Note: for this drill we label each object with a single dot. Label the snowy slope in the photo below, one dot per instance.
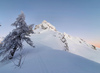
(46, 59)
(75, 45)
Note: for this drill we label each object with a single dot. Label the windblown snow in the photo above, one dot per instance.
(54, 52)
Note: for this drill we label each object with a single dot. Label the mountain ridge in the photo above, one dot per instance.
(69, 43)
(46, 25)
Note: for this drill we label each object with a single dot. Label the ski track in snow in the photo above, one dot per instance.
(42, 65)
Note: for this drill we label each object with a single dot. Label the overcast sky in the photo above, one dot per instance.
(80, 18)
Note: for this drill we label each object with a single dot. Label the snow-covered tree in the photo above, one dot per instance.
(13, 41)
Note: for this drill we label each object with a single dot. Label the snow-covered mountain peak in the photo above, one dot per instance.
(48, 25)
(44, 26)
(44, 21)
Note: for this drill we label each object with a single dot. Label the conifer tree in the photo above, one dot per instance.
(13, 41)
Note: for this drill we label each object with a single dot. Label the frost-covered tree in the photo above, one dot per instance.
(13, 41)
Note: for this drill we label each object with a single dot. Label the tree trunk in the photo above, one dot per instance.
(12, 52)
